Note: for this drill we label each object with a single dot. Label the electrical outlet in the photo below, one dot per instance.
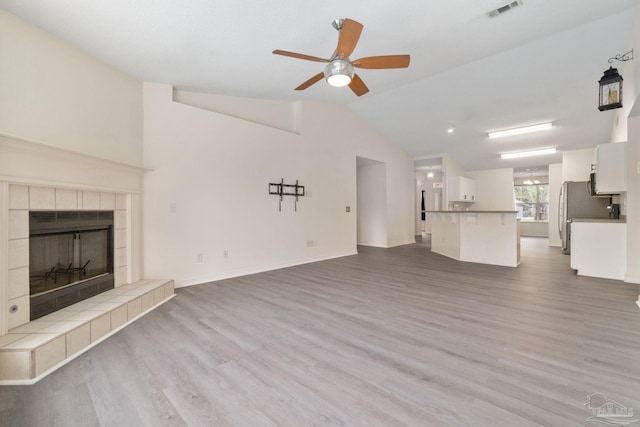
(199, 258)
(225, 254)
(348, 209)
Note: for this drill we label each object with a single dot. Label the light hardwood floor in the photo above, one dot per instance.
(389, 337)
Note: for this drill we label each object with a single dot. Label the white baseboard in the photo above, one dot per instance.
(632, 279)
(231, 274)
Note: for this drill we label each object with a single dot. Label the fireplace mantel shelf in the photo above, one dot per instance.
(33, 350)
(35, 163)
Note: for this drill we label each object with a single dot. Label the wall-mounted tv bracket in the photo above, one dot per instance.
(281, 189)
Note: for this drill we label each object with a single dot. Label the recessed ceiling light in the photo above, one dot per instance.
(520, 130)
(451, 127)
(519, 154)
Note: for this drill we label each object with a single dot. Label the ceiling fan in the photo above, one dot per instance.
(339, 70)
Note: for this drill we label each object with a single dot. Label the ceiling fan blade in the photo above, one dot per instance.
(380, 62)
(357, 86)
(299, 56)
(311, 81)
(349, 35)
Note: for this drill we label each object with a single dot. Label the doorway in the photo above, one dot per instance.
(371, 187)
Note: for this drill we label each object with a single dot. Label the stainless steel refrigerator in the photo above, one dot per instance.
(577, 202)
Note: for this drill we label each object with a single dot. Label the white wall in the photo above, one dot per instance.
(631, 133)
(277, 114)
(494, 189)
(450, 169)
(55, 94)
(372, 204)
(534, 229)
(633, 196)
(400, 182)
(576, 164)
(555, 183)
(216, 169)
(626, 127)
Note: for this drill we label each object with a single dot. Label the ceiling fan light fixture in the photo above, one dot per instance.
(339, 72)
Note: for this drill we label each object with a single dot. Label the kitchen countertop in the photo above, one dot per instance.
(470, 211)
(607, 220)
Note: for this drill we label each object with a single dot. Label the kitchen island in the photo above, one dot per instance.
(486, 237)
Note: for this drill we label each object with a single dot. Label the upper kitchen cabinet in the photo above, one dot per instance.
(610, 168)
(461, 189)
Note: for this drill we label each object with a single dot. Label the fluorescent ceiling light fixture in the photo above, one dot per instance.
(430, 175)
(520, 130)
(519, 154)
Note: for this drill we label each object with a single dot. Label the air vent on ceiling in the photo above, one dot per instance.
(502, 9)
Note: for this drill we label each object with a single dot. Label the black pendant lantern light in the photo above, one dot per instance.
(611, 85)
(610, 90)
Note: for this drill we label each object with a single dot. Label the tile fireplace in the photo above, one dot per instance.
(69, 224)
(70, 258)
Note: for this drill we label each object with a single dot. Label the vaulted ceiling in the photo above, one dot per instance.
(538, 62)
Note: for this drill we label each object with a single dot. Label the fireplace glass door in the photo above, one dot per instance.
(70, 258)
(59, 260)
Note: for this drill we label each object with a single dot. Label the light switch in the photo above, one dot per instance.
(172, 207)
(348, 208)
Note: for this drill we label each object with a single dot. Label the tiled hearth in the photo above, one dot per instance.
(39, 177)
(33, 350)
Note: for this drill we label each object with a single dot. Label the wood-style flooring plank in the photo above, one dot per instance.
(388, 337)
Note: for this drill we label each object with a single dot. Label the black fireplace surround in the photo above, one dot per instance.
(70, 258)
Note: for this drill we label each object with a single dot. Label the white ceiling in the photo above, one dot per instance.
(538, 62)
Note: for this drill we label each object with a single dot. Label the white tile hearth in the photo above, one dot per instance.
(37, 348)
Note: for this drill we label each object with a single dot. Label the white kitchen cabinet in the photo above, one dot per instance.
(610, 168)
(598, 249)
(461, 189)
